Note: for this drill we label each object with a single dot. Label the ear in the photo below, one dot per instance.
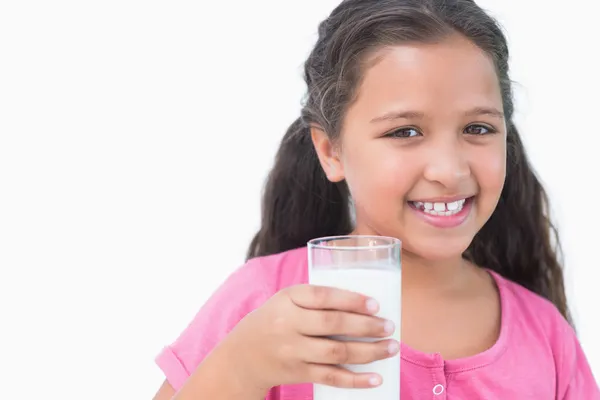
(327, 153)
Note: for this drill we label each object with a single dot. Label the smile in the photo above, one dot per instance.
(443, 209)
(441, 214)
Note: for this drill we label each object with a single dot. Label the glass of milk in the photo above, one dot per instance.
(369, 265)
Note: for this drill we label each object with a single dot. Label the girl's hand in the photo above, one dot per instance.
(286, 341)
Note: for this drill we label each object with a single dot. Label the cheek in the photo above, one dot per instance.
(381, 175)
(489, 168)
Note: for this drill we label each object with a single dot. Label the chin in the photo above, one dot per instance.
(437, 250)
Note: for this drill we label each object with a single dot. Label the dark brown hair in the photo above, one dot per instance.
(299, 202)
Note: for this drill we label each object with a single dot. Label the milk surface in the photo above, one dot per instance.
(383, 283)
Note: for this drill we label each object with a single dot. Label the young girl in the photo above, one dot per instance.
(406, 132)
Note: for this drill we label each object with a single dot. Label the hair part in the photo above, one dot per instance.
(300, 203)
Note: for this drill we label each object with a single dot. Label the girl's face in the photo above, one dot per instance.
(423, 147)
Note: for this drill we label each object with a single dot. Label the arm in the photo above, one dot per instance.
(213, 379)
(217, 379)
(196, 365)
(165, 392)
(581, 383)
(576, 380)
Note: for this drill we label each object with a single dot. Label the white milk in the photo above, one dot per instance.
(383, 283)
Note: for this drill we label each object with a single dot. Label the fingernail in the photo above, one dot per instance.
(374, 381)
(393, 347)
(389, 327)
(372, 305)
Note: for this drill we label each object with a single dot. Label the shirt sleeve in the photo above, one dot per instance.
(242, 292)
(575, 380)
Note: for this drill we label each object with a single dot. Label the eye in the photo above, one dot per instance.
(479, 130)
(404, 133)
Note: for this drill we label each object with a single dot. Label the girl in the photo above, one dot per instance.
(406, 132)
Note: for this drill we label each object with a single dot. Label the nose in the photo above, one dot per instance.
(447, 165)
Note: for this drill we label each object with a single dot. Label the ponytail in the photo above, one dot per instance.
(299, 202)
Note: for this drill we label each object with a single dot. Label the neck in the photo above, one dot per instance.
(433, 276)
(426, 276)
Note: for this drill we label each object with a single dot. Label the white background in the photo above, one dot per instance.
(135, 137)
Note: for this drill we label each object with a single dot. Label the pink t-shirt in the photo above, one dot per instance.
(537, 355)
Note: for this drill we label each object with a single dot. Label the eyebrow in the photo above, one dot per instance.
(477, 111)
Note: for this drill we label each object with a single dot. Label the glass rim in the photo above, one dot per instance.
(316, 243)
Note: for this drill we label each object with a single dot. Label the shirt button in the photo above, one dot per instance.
(438, 389)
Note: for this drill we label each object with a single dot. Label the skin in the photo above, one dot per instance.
(433, 96)
(440, 148)
(285, 342)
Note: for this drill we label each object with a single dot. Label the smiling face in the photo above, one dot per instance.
(423, 146)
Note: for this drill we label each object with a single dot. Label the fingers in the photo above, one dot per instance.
(339, 323)
(342, 378)
(328, 351)
(326, 298)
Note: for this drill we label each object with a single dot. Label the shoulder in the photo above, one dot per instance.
(281, 270)
(257, 280)
(535, 320)
(529, 306)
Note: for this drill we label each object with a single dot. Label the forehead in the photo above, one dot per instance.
(449, 76)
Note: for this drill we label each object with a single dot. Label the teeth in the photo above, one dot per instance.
(439, 207)
(452, 206)
(443, 209)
